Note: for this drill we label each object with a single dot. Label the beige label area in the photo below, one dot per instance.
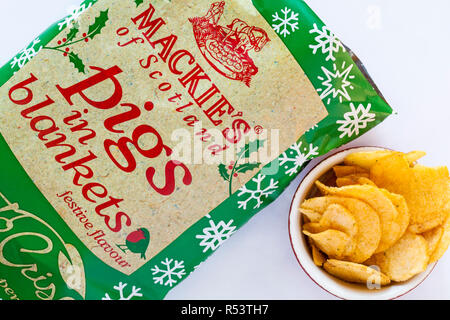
(253, 83)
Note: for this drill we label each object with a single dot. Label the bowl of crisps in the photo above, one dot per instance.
(371, 223)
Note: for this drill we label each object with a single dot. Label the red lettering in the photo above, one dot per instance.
(122, 145)
(204, 134)
(118, 220)
(102, 75)
(150, 59)
(191, 120)
(207, 95)
(167, 44)
(49, 101)
(52, 128)
(192, 78)
(133, 113)
(218, 109)
(215, 148)
(170, 185)
(177, 96)
(152, 26)
(23, 86)
(90, 188)
(83, 127)
(111, 202)
(180, 109)
(239, 127)
(154, 73)
(118, 217)
(81, 164)
(175, 58)
(165, 86)
(59, 142)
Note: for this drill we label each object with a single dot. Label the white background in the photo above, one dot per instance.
(404, 45)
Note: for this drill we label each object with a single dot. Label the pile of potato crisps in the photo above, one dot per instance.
(387, 218)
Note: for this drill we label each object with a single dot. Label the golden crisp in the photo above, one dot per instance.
(336, 217)
(354, 272)
(333, 243)
(403, 216)
(351, 179)
(339, 218)
(318, 257)
(383, 206)
(407, 258)
(318, 205)
(345, 181)
(363, 181)
(444, 241)
(433, 237)
(366, 160)
(342, 171)
(413, 156)
(369, 230)
(311, 215)
(423, 188)
(314, 227)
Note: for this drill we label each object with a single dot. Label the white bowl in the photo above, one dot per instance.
(334, 286)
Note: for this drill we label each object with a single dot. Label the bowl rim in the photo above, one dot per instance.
(425, 274)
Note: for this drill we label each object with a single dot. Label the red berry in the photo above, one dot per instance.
(64, 40)
(235, 175)
(87, 39)
(67, 49)
(59, 42)
(230, 167)
(65, 54)
(149, 106)
(84, 34)
(136, 236)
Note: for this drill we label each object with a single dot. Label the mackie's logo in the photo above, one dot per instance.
(227, 48)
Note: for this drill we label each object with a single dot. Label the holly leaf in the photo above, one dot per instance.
(72, 33)
(99, 23)
(77, 62)
(246, 167)
(138, 2)
(251, 147)
(224, 172)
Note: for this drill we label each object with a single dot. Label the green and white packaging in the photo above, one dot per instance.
(137, 136)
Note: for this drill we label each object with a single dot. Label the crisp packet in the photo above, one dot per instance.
(138, 136)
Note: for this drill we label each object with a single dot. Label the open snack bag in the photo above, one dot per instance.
(137, 136)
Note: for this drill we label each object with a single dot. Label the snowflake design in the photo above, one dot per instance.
(327, 42)
(26, 54)
(356, 119)
(135, 292)
(336, 83)
(298, 158)
(196, 267)
(73, 16)
(166, 275)
(282, 24)
(216, 234)
(314, 127)
(257, 194)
